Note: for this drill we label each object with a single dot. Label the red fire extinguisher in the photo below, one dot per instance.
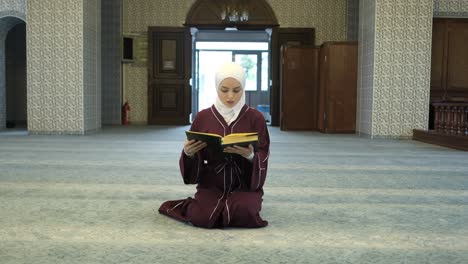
(125, 113)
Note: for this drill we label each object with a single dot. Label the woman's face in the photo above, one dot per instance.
(230, 92)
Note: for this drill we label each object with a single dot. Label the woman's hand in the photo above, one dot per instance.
(193, 146)
(244, 152)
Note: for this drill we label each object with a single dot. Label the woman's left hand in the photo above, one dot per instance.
(244, 152)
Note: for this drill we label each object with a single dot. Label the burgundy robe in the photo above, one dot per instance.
(230, 189)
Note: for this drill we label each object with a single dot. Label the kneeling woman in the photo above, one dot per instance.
(229, 190)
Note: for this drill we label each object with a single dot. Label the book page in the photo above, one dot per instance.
(246, 137)
(241, 134)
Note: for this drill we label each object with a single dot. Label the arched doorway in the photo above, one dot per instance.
(245, 15)
(15, 73)
(251, 49)
(225, 30)
(13, 102)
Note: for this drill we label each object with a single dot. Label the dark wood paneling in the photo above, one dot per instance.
(161, 71)
(449, 62)
(169, 100)
(449, 65)
(437, 65)
(457, 60)
(299, 83)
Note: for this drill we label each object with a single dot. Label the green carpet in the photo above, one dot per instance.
(328, 199)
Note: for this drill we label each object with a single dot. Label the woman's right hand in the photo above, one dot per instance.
(193, 146)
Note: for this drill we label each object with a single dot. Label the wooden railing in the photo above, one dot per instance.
(451, 118)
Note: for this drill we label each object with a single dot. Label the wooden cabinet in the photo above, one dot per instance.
(298, 89)
(318, 87)
(284, 37)
(337, 87)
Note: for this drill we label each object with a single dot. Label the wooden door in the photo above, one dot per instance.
(449, 62)
(280, 37)
(299, 76)
(169, 67)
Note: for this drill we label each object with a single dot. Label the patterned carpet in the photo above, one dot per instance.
(328, 199)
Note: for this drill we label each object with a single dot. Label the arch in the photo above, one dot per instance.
(8, 19)
(7, 23)
(210, 14)
(13, 13)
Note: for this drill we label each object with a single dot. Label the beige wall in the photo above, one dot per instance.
(452, 8)
(55, 66)
(327, 17)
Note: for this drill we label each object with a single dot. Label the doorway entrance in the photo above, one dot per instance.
(250, 49)
(15, 72)
(13, 86)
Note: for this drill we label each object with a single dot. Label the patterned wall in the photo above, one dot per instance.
(111, 61)
(451, 8)
(366, 66)
(402, 60)
(136, 92)
(12, 12)
(327, 17)
(62, 74)
(92, 64)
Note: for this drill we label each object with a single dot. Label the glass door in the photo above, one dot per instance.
(249, 61)
(257, 87)
(253, 56)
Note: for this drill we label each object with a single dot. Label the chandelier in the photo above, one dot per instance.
(235, 11)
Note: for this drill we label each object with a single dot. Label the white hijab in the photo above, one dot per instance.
(235, 71)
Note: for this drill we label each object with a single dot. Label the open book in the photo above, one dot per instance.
(218, 143)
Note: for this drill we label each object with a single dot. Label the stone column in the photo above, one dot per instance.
(111, 20)
(63, 54)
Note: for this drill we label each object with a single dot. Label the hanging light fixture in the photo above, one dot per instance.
(233, 11)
